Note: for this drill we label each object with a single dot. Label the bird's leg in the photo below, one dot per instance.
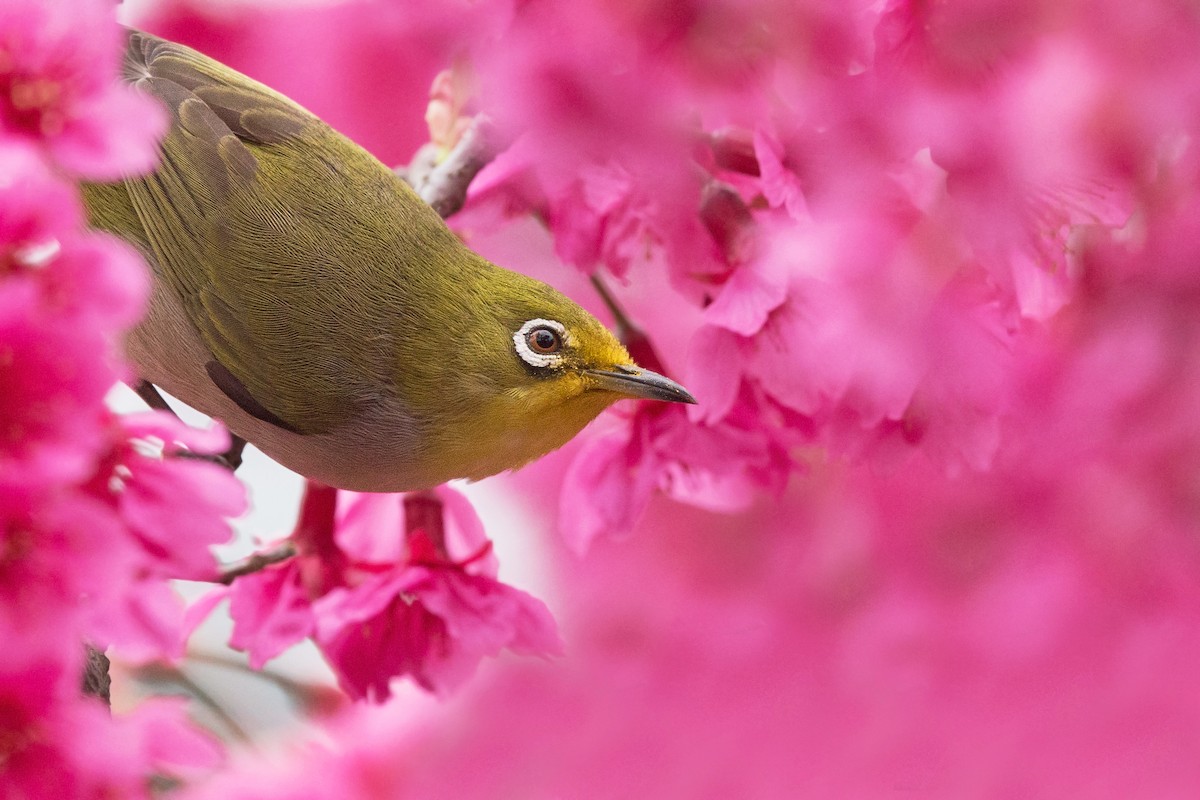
(233, 456)
(152, 397)
(231, 459)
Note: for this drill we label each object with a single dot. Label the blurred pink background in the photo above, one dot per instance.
(933, 530)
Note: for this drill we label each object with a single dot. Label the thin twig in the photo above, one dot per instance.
(633, 337)
(253, 563)
(300, 693)
(165, 673)
(620, 318)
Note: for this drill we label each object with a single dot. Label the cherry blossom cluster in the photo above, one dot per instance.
(876, 224)
(387, 585)
(99, 512)
(96, 511)
(930, 269)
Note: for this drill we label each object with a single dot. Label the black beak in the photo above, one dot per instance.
(634, 381)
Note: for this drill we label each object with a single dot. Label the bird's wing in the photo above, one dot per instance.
(236, 230)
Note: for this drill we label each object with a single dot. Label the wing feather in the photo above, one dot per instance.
(233, 229)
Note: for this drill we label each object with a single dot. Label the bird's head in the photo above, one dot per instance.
(533, 370)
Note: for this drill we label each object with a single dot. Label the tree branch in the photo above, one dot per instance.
(96, 680)
(443, 183)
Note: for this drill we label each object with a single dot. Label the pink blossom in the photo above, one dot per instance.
(722, 467)
(63, 294)
(175, 508)
(597, 220)
(86, 545)
(599, 217)
(171, 511)
(58, 89)
(432, 625)
(59, 547)
(53, 379)
(88, 277)
(570, 96)
(932, 528)
(1027, 159)
(780, 185)
(271, 611)
(383, 598)
(40, 207)
(386, 59)
(862, 351)
(57, 745)
(115, 541)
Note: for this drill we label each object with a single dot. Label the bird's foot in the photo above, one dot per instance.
(231, 459)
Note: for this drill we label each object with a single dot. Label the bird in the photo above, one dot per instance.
(306, 296)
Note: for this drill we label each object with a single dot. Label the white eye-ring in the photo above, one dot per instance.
(539, 342)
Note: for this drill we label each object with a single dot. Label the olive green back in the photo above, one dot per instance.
(299, 257)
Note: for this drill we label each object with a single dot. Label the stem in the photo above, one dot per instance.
(423, 511)
(253, 563)
(634, 338)
(303, 695)
(165, 673)
(620, 318)
(313, 533)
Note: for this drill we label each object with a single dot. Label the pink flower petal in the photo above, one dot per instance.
(270, 612)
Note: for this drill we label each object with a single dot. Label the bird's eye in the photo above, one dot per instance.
(545, 341)
(540, 343)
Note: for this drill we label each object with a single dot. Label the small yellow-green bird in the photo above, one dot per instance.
(305, 295)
